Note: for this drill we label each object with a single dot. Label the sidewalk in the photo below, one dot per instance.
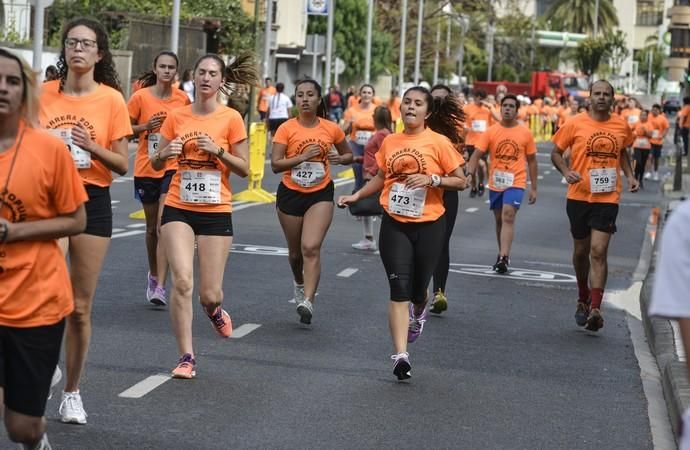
(664, 340)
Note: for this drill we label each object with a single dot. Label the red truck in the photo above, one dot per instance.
(543, 83)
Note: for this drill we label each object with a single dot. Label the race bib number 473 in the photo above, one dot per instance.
(406, 202)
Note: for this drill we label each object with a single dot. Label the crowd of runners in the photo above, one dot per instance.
(55, 202)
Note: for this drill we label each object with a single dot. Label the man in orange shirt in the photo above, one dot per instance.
(683, 121)
(598, 145)
(265, 95)
(657, 141)
(511, 150)
(478, 119)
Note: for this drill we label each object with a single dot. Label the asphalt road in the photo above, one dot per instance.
(504, 367)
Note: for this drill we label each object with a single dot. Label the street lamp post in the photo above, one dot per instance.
(175, 26)
(403, 36)
(418, 50)
(367, 58)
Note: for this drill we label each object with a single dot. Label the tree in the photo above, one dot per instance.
(652, 50)
(577, 16)
(617, 50)
(589, 53)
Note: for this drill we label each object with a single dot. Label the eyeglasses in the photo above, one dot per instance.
(71, 43)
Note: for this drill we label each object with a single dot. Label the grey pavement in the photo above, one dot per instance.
(504, 367)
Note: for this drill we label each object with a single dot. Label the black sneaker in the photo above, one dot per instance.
(498, 258)
(502, 265)
(480, 190)
(401, 366)
(473, 193)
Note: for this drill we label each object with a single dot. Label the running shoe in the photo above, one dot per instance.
(298, 292)
(57, 376)
(185, 367)
(72, 409)
(365, 244)
(480, 189)
(473, 193)
(595, 321)
(151, 286)
(581, 313)
(305, 310)
(498, 258)
(655, 177)
(439, 303)
(416, 326)
(502, 265)
(159, 297)
(43, 444)
(564, 181)
(647, 175)
(401, 366)
(220, 319)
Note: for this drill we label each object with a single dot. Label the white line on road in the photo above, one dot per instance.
(347, 273)
(145, 386)
(128, 233)
(540, 177)
(114, 202)
(136, 225)
(547, 172)
(118, 230)
(471, 210)
(244, 330)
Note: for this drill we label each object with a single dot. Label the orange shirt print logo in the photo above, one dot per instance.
(602, 145)
(406, 161)
(193, 158)
(303, 145)
(507, 150)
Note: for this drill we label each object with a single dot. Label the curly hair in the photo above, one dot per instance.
(150, 78)
(446, 115)
(104, 72)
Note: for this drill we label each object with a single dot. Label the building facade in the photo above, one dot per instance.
(677, 62)
(15, 20)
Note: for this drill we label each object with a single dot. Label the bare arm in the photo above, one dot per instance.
(532, 168)
(344, 153)
(633, 184)
(372, 187)
(559, 163)
(46, 229)
(237, 159)
(114, 158)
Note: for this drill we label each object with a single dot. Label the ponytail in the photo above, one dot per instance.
(242, 70)
(446, 118)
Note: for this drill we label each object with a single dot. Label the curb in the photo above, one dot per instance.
(661, 337)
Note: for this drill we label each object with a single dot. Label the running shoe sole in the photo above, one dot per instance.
(304, 314)
(402, 370)
(183, 376)
(594, 322)
(157, 301)
(438, 306)
(581, 314)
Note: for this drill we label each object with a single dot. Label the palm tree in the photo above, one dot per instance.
(577, 16)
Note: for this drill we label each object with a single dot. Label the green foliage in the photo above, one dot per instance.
(617, 50)
(657, 58)
(10, 34)
(589, 54)
(577, 16)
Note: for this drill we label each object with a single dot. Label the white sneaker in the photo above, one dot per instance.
(298, 292)
(647, 175)
(71, 408)
(655, 177)
(365, 244)
(305, 310)
(43, 444)
(57, 376)
(564, 181)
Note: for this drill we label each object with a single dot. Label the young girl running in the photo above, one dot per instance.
(414, 168)
(148, 108)
(86, 109)
(301, 150)
(209, 141)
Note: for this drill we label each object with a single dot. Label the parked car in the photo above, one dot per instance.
(671, 105)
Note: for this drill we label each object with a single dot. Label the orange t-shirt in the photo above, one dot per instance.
(195, 167)
(103, 113)
(661, 124)
(36, 289)
(684, 116)
(265, 95)
(632, 116)
(394, 108)
(478, 119)
(643, 134)
(297, 138)
(508, 149)
(143, 106)
(362, 120)
(352, 101)
(594, 146)
(403, 154)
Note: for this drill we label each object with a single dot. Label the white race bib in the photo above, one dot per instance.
(406, 202)
(602, 180)
(632, 119)
(641, 143)
(82, 158)
(362, 137)
(502, 180)
(308, 173)
(153, 140)
(655, 134)
(200, 186)
(479, 126)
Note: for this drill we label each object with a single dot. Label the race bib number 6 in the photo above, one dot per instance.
(406, 202)
(602, 180)
(153, 140)
(197, 186)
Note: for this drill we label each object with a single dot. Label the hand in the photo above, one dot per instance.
(206, 144)
(173, 149)
(311, 152)
(334, 158)
(417, 180)
(633, 184)
(5, 229)
(532, 199)
(572, 177)
(82, 139)
(345, 200)
(154, 123)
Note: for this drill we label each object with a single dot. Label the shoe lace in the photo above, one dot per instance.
(186, 361)
(416, 324)
(71, 402)
(217, 319)
(402, 355)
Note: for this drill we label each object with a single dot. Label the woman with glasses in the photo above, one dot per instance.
(41, 199)
(85, 108)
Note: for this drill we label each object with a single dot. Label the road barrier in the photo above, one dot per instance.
(257, 164)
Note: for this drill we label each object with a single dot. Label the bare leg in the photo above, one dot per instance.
(317, 220)
(399, 321)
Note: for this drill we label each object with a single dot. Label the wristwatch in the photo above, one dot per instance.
(435, 180)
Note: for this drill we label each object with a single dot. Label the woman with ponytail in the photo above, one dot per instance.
(208, 141)
(415, 167)
(148, 108)
(302, 151)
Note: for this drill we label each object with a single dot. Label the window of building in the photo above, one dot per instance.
(650, 13)
(680, 42)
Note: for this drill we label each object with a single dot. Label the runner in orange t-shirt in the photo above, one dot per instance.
(478, 119)
(598, 142)
(657, 140)
(512, 152)
(415, 166)
(304, 203)
(644, 130)
(148, 108)
(393, 106)
(86, 109)
(41, 199)
(265, 95)
(209, 141)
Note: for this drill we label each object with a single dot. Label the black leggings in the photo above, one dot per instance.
(409, 252)
(641, 156)
(450, 202)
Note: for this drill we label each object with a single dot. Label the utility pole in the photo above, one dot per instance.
(649, 72)
(267, 39)
(437, 53)
(403, 36)
(596, 17)
(418, 50)
(367, 57)
(490, 38)
(329, 47)
(39, 17)
(175, 27)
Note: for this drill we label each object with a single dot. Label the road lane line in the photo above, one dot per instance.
(347, 273)
(127, 233)
(145, 386)
(471, 210)
(547, 172)
(244, 330)
(118, 230)
(136, 225)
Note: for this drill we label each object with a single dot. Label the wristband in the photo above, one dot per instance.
(4, 232)
(435, 180)
(220, 152)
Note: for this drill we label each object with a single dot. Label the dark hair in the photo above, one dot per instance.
(656, 105)
(510, 97)
(104, 72)
(321, 110)
(51, 73)
(373, 91)
(686, 100)
(241, 71)
(382, 118)
(441, 86)
(149, 78)
(479, 93)
(613, 91)
(280, 87)
(446, 114)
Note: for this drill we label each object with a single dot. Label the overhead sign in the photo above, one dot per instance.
(317, 7)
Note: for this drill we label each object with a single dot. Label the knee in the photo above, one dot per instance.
(598, 253)
(508, 217)
(152, 230)
(295, 257)
(211, 297)
(581, 251)
(311, 251)
(26, 431)
(81, 316)
(183, 285)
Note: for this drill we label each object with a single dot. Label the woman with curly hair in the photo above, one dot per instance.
(85, 108)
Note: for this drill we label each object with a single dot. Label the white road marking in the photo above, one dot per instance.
(118, 230)
(471, 210)
(127, 233)
(136, 225)
(244, 330)
(145, 386)
(547, 172)
(678, 340)
(347, 273)
(540, 177)
(114, 202)
(487, 202)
